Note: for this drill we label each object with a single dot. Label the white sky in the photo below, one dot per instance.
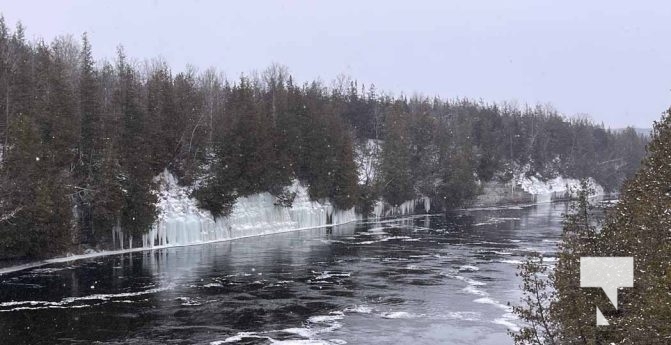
(609, 59)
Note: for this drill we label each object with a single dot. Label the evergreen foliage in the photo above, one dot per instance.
(556, 309)
(638, 227)
(104, 131)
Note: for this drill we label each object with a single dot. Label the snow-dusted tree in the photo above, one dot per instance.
(639, 226)
(555, 309)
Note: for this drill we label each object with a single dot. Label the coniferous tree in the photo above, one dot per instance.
(103, 134)
(574, 306)
(89, 167)
(556, 309)
(395, 167)
(38, 220)
(5, 76)
(638, 226)
(137, 158)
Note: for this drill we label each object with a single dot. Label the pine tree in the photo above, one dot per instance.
(90, 144)
(395, 170)
(5, 76)
(89, 167)
(38, 224)
(196, 110)
(139, 210)
(457, 178)
(344, 175)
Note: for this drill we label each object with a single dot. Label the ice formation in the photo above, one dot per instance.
(383, 209)
(554, 189)
(181, 222)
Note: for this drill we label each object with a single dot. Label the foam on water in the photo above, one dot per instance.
(469, 281)
(400, 315)
(468, 268)
(325, 318)
(308, 342)
(238, 337)
(474, 291)
(212, 285)
(463, 315)
(330, 274)
(69, 302)
(187, 301)
(309, 334)
(386, 239)
(361, 309)
(506, 320)
(513, 262)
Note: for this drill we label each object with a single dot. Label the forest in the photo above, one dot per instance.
(83, 140)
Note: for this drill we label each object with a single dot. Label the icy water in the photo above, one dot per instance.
(418, 280)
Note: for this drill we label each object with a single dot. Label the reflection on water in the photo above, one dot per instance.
(426, 279)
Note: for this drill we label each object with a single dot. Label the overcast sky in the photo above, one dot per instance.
(608, 59)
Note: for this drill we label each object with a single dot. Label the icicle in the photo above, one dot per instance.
(181, 222)
(427, 204)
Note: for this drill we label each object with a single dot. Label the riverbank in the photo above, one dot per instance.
(525, 190)
(181, 223)
(359, 283)
(89, 255)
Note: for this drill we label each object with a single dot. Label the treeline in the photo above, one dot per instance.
(82, 143)
(444, 149)
(556, 310)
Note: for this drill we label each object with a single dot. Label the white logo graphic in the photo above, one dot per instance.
(609, 274)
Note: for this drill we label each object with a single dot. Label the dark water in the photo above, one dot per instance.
(420, 280)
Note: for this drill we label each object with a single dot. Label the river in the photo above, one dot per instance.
(416, 280)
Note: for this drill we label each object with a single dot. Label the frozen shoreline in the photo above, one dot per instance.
(182, 223)
(21, 267)
(35, 264)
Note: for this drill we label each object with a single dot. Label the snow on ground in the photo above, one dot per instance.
(556, 188)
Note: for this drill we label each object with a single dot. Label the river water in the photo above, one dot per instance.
(417, 280)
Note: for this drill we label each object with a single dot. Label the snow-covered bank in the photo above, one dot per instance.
(181, 222)
(532, 190)
(558, 188)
